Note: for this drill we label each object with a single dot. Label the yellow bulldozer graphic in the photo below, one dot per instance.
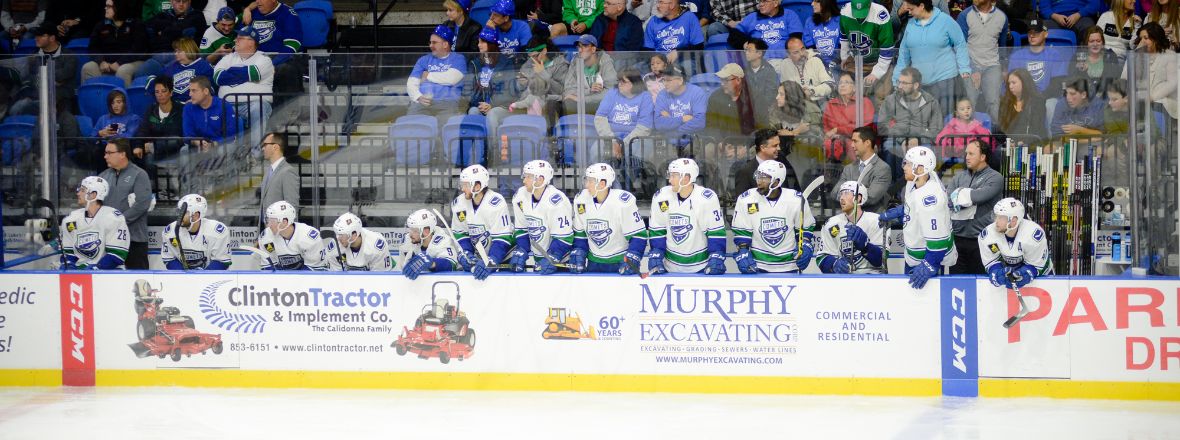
(561, 325)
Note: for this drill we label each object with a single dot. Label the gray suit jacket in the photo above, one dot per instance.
(282, 184)
(877, 179)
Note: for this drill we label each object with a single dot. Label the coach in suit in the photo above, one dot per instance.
(766, 147)
(868, 169)
(280, 181)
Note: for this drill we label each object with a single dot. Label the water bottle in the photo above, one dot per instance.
(1116, 218)
(1116, 247)
(1127, 247)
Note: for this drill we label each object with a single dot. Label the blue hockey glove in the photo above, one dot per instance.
(480, 271)
(655, 262)
(545, 266)
(891, 215)
(517, 259)
(466, 260)
(1022, 275)
(578, 260)
(803, 259)
(630, 264)
(716, 264)
(745, 261)
(921, 274)
(997, 275)
(841, 266)
(416, 265)
(857, 236)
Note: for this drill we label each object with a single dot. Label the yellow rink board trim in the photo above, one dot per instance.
(521, 382)
(1071, 389)
(30, 378)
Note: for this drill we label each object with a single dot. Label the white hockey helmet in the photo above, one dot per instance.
(1009, 207)
(773, 170)
(281, 210)
(685, 166)
(346, 224)
(921, 157)
(539, 168)
(473, 174)
(859, 193)
(421, 218)
(95, 184)
(601, 171)
(193, 204)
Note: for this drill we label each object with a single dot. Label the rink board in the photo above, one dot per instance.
(1101, 338)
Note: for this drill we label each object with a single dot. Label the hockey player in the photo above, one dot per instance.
(851, 241)
(424, 250)
(94, 236)
(766, 224)
(926, 217)
(542, 215)
(291, 245)
(357, 248)
(686, 225)
(1013, 249)
(481, 219)
(205, 242)
(609, 234)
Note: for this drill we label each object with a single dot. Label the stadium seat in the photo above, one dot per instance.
(707, 81)
(465, 138)
(27, 46)
(568, 44)
(140, 96)
(316, 18)
(567, 132)
(79, 45)
(526, 139)
(1061, 37)
(1019, 39)
(92, 98)
(982, 117)
(413, 141)
(419, 119)
(22, 119)
(85, 125)
(481, 11)
(718, 42)
(107, 79)
(801, 8)
(16, 140)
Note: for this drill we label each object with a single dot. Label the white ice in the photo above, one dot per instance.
(181, 413)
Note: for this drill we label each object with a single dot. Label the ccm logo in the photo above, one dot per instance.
(77, 322)
(959, 329)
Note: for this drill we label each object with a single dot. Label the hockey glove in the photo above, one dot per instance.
(1022, 275)
(891, 215)
(921, 274)
(466, 260)
(545, 265)
(416, 265)
(480, 271)
(578, 260)
(997, 275)
(630, 265)
(517, 259)
(716, 264)
(841, 266)
(745, 261)
(655, 262)
(803, 259)
(857, 236)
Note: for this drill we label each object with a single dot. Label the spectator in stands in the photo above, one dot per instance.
(1096, 63)
(131, 193)
(65, 70)
(1017, 11)
(1161, 72)
(18, 18)
(680, 107)
(1116, 116)
(654, 77)
(75, 19)
(118, 122)
(868, 169)
(937, 49)
(869, 23)
(767, 146)
(773, 24)
(625, 112)
(280, 35)
(164, 119)
(840, 118)
(245, 79)
(545, 11)
(188, 65)
(806, 70)
(1166, 13)
(643, 9)
(207, 119)
(464, 30)
(796, 118)
(986, 29)
(962, 127)
(620, 30)
(1022, 109)
(760, 75)
(116, 45)
(821, 32)
(219, 38)
(1119, 26)
(152, 8)
(727, 14)
(597, 75)
(673, 30)
(511, 34)
(436, 83)
(1079, 112)
(911, 115)
(492, 79)
(181, 21)
(731, 114)
(577, 17)
(1075, 15)
(1046, 64)
(546, 65)
(972, 194)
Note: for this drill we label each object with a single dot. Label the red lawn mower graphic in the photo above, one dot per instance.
(442, 330)
(163, 331)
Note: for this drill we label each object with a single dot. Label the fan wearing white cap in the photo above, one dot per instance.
(686, 225)
(542, 214)
(94, 236)
(766, 224)
(480, 217)
(423, 250)
(356, 248)
(1014, 249)
(609, 234)
(851, 242)
(292, 245)
(926, 215)
(202, 242)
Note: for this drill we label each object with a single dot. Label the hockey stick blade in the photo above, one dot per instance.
(634, 266)
(176, 236)
(1019, 314)
(812, 186)
(451, 233)
(331, 234)
(260, 253)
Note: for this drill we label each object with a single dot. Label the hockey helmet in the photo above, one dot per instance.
(773, 170)
(539, 168)
(281, 210)
(1009, 207)
(601, 171)
(685, 166)
(475, 174)
(421, 219)
(95, 184)
(921, 157)
(859, 193)
(193, 204)
(345, 225)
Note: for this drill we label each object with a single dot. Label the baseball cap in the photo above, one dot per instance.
(1036, 25)
(249, 32)
(226, 14)
(44, 30)
(674, 71)
(587, 39)
(860, 9)
(731, 69)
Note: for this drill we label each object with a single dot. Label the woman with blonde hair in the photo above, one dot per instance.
(189, 64)
(464, 29)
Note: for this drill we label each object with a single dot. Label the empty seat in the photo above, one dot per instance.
(412, 142)
(801, 8)
(140, 96)
(16, 140)
(707, 81)
(419, 119)
(106, 79)
(567, 44)
(481, 11)
(717, 42)
(1061, 37)
(85, 125)
(315, 16)
(525, 135)
(465, 139)
(92, 98)
(567, 133)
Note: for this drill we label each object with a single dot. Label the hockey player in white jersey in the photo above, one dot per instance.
(542, 214)
(609, 234)
(357, 248)
(424, 250)
(926, 216)
(94, 236)
(851, 241)
(686, 225)
(767, 228)
(202, 243)
(291, 245)
(1014, 249)
(480, 217)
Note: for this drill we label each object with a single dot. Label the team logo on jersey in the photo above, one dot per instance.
(774, 230)
(88, 244)
(752, 208)
(175, 242)
(462, 216)
(664, 206)
(71, 226)
(520, 205)
(1038, 235)
(555, 199)
(290, 262)
(834, 230)
(479, 235)
(581, 208)
(536, 228)
(270, 247)
(679, 226)
(194, 258)
(599, 231)
(992, 247)
(929, 201)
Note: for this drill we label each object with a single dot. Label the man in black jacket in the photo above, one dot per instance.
(766, 147)
(166, 27)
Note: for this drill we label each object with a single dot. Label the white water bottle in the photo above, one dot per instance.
(1127, 247)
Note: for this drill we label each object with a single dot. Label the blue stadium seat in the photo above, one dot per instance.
(92, 99)
(107, 79)
(23, 119)
(419, 119)
(140, 96)
(412, 142)
(85, 125)
(1061, 37)
(718, 42)
(465, 139)
(567, 134)
(568, 44)
(79, 45)
(526, 138)
(481, 11)
(16, 140)
(1018, 39)
(801, 8)
(982, 117)
(27, 46)
(316, 18)
(707, 81)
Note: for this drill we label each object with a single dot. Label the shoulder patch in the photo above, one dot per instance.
(270, 247)
(520, 206)
(1039, 234)
(437, 239)
(581, 208)
(834, 231)
(555, 199)
(462, 216)
(118, 213)
(752, 208)
(929, 200)
(313, 233)
(708, 194)
(883, 15)
(220, 228)
(71, 226)
(994, 248)
(663, 206)
(168, 228)
(495, 200)
(379, 244)
(624, 196)
(983, 233)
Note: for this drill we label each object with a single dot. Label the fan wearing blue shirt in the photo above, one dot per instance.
(773, 24)
(680, 107)
(512, 34)
(676, 29)
(436, 83)
(821, 32)
(1046, 64)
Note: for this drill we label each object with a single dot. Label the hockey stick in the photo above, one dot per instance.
(483, 255)
(176, 235)
(53, 225)
(260, 253)
(336, 244)
(535, 247)
(1019, 314)
(802, 204)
